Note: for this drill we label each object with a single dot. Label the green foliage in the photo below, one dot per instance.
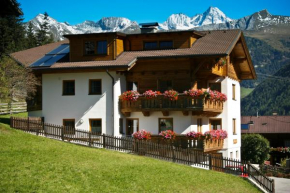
(31, 38)
(12, 35)
(265, 58)
(43, 36)
(255, 148)
(270, 96)
(245, 91)
(37, 164)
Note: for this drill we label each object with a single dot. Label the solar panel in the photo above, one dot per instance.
(62, 49)
(53, 56)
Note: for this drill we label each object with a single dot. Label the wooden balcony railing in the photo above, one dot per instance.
(184, 104)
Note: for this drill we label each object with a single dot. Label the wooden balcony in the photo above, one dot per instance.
(184, 104)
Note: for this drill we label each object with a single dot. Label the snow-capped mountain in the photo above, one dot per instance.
(212, 18)
(180, 21)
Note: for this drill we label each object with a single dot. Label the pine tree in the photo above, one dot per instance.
(43, 36)
(31, 39)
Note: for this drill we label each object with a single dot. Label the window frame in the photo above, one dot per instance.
(121, 125)
(210, 124)
(90, 87)
(159, 125)
(63, 90)
(164, 48)
(96, 119)
(131, 119)
(64, 126)
(94, 42)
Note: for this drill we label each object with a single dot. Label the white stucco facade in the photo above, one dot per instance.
(82, 107)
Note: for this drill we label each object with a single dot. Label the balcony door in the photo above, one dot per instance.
(132, 126)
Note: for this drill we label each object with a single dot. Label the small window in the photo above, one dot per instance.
(95, 86)
(199, 125)
(102, 47)
(132, 86)
(215, 86)
(165, 44)
(96, 126)
(165, 124)
(234, 127)
(165, 85)
(244, 126)
(231, 155)
(215, 124)
(121, 126)
(69, 126)
(89, 48)
(150, 45)
(234, 91)
(68, 87)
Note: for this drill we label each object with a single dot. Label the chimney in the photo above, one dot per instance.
(149, 27)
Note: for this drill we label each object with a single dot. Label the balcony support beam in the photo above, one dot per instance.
(165, 113)
(146, 113)
(185, 113)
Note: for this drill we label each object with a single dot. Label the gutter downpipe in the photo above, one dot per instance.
(113, 83)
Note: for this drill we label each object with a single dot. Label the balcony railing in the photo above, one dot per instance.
(184, 104)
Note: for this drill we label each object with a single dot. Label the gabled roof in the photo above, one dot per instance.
(266, 124)
(217, 43)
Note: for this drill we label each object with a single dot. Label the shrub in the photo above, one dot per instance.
(168, 134)
(255, 148)
(142, 135)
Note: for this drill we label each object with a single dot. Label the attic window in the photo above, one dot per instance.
(89, 48)
(150, 45)
(165, 44)
(102, 47)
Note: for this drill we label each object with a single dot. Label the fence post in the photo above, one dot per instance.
(28, 124)
(273, 186)
(173, 155)
(209, 162)
(11, 122)
(90, 139)
(104, 140)
(62, 132)
(249, 170)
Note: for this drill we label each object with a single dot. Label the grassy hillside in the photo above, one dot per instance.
(270, 96)
(36, 164)
(245, 91)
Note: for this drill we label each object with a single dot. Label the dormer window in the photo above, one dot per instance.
(89, 48)
(96, 47)
(150, 45)
(102, 47)
(165, 44)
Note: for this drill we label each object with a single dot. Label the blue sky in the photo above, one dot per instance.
(77, 11)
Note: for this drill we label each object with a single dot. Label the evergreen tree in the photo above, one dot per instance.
(43, 36)
(31, 39)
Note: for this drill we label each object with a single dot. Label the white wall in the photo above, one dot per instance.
(80, 106)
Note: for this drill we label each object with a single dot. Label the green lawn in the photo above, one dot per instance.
(36, 164)
(245, 91)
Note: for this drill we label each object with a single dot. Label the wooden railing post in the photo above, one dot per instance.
(104, 140)
(90, 139)
(273, 186)
(28, 124)
(62, 132)
(173, 155)
(11, 122)
(209, 162)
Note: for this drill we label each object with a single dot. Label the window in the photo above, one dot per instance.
(89, 48)
(68, 87)
(165, 85)
(132, 126)
(132, 86)
(234, 127)
(150, 45)
(244, 126)
(121, 128)
(165, 124)
(95, 86)
(96, 126)
(102, 47)
(69, 126)
(231, 155)
(215, 86)
(165, 44)
(199, 125)
(215, 124)
(234, 91)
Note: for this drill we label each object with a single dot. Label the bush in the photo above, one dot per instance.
(255, 148)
